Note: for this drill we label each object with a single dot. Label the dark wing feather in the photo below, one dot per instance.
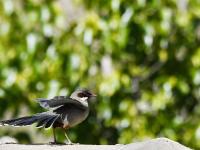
(56, 102)
(41, 118)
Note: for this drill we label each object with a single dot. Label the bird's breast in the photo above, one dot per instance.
(75, 117)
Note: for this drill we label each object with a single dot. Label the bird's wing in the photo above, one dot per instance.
(57, 101)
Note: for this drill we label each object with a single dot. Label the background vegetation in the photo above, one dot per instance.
(141, 57)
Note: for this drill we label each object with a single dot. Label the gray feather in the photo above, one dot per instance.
(50, 122)
(56, 102)
(42, 122)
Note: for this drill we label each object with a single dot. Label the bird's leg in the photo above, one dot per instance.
(68, 140)
(54, 137)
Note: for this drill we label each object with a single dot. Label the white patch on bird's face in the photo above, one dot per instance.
(84, 101)
(83, 98)
(77, 97)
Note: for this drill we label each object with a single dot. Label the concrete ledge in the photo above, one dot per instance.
(155, 144)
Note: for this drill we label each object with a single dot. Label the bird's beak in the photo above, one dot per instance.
(94, 95)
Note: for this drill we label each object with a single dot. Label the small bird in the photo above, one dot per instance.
(63, 112)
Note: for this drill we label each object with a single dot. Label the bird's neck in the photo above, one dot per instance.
(84, 102)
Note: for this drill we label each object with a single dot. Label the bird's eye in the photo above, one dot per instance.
(81, 95)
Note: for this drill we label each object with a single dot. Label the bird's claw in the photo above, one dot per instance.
(70, 143)
(56, 143)
(52, 143)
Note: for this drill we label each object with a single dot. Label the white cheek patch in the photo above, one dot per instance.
(83, 98)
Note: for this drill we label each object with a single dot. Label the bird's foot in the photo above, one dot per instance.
(56, 143)
(52, 143)
(70, 143)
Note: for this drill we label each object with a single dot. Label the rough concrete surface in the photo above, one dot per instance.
(155, 144)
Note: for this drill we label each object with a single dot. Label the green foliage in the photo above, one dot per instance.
(141, 57)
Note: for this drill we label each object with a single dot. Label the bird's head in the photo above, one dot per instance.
(82, 94)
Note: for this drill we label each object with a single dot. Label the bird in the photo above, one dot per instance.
(62, 112)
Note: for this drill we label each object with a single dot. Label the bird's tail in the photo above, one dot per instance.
(43, 119)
